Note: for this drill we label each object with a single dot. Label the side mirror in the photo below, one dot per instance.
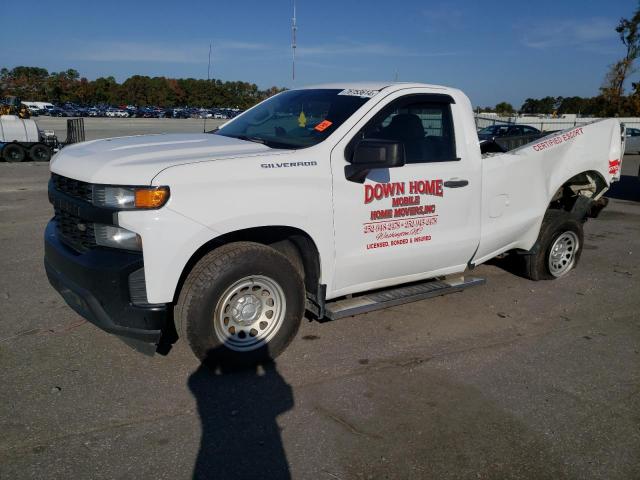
(374, 153)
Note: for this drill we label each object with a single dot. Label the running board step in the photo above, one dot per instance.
(368, 302)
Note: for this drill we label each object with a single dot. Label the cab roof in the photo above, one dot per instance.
(370, 85)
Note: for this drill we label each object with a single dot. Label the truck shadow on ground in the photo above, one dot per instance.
(238, 409)
(628, 188)
(513, 264)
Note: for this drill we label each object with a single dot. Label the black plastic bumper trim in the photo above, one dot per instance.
(95, 285)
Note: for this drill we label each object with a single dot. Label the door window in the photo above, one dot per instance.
(424, 128)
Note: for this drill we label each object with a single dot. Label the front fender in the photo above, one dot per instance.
(229, 195)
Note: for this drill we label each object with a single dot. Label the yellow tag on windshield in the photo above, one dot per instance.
(302, 119)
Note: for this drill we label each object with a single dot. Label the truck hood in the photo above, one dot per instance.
(137, 159)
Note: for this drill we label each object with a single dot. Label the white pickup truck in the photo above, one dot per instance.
(332, 200)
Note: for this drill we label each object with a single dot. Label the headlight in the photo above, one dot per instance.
(129, 198)
(116, 237)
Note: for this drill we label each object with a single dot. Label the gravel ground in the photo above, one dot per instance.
(514, 379)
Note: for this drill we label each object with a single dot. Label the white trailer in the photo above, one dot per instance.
(39, 105)
(21, 139)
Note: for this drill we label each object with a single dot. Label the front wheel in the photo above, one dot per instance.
(240, 305)
(558, 247)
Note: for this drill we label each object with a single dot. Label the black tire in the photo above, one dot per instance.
(555, 224)
(12, 152)
(40, 153)
(206, 288)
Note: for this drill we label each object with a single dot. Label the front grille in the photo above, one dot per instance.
(74, 231)
(73, 188)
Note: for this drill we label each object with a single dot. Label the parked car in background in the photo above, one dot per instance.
(58, 112)
(633, 140)
(181, 113)
(69, 109)
(116, 113)
(503, 130)
(34, 110)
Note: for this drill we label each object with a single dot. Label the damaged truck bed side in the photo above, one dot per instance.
(563, 171)
(335, 200)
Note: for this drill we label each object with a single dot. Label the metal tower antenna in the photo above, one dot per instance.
(294, 29)
(209, 66)
(204, 123)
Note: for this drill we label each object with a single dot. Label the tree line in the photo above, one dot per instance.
(598, 106)
(37, 84)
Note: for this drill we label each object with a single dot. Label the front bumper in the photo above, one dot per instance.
(96, 285)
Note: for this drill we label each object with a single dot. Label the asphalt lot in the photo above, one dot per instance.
(514, 379)
(114, 127)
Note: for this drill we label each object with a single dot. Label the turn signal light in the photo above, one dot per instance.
(151, 197)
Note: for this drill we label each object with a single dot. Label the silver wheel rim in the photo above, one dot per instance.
(562, 254)
(250, 313)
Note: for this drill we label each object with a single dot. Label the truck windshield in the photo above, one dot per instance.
(295, 119)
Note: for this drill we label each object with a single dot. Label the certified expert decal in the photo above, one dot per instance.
(406, 218)
(557, 139)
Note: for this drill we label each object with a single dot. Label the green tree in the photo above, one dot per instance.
(613, 87)
(544, 105)
(504, 108)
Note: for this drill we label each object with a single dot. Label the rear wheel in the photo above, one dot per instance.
(558, 247)
(241, 304)
(40, 153)
(13, 152)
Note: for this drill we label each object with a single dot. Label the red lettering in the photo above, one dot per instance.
(378, 214)
(389, 189)
(382, 190)
(426, 187)
(368, 194)
(377, 191)
(400, 201)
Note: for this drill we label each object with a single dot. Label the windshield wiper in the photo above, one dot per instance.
(251, 139)
(268, 143)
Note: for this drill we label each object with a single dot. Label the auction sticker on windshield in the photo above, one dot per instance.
(322, 126)
(359, 92)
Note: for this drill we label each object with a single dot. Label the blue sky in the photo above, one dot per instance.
(493, 50)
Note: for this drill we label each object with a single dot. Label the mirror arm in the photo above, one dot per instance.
(357, 173)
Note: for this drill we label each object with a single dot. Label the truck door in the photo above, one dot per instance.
(412, 222)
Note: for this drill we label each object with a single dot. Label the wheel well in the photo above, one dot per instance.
(587, 184)
(292, 242)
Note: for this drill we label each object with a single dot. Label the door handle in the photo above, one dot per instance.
(456, 183)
